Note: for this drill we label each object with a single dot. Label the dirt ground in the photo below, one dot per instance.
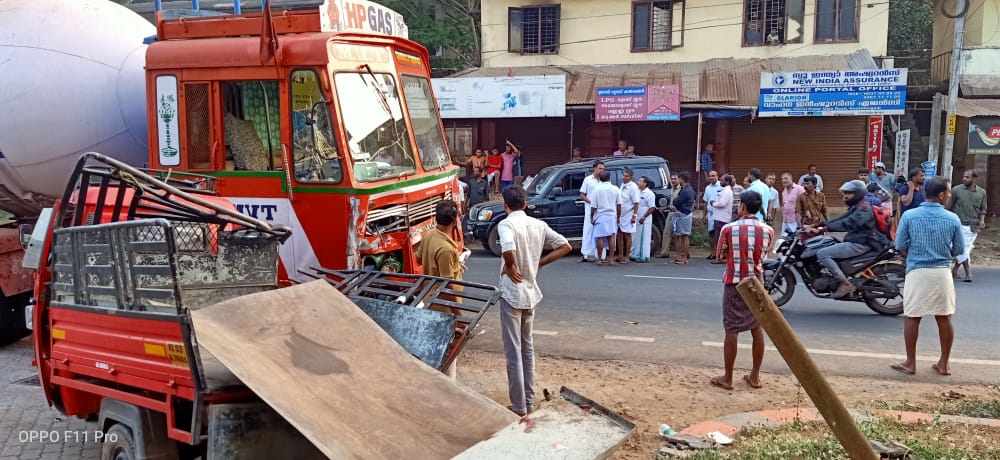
(651, 394)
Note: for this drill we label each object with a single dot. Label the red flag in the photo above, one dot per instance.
(268, 38)
(510, 71)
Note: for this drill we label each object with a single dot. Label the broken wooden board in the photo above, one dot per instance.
(339, 379)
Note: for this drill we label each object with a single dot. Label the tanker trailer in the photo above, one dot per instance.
(73, 82)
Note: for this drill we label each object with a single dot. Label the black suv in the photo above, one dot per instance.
(554, 197)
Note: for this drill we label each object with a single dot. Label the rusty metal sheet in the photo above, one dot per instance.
(340, 380)
(978, 108)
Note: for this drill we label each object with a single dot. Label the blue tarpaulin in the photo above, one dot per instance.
(713, 114)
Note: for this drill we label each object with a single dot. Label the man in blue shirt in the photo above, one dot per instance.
(912, 193)
(764, 190)
(706, 160)
(684, 203)
(930, 236)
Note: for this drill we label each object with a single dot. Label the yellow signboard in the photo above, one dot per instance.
(951, 124)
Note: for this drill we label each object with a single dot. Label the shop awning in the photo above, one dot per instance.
(729, 83)
(969, 108)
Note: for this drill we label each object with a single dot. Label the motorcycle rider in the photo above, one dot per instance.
(862, 234)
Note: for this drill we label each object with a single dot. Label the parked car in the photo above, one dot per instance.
(554, 197)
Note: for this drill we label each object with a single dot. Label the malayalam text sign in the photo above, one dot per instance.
(832, 93)
(638, 103)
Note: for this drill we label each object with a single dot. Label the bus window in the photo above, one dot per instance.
(251, 124)
(314, 147)
(376, 129)
(426, 123)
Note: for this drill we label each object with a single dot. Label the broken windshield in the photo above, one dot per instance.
(377, 135)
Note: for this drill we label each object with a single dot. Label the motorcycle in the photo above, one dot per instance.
(877, 276)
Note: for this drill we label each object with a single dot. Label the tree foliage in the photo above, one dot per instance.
(911, 35)
(449, 28)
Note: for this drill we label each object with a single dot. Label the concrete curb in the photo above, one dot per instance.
(733, 423)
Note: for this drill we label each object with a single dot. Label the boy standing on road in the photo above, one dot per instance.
(742, 246)
(522, 239)
(929, 236)
(684, 203)
(510, 156)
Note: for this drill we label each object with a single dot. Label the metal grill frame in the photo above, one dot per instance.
(418, 291)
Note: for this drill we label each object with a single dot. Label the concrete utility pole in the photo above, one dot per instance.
(953, 81)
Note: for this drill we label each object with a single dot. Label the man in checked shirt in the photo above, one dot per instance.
(742, 246)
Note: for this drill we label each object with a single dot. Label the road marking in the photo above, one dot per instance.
(628, 338)
(862, 354)
(538, 332)
(716, 280)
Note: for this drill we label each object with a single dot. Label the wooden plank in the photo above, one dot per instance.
(340, 380)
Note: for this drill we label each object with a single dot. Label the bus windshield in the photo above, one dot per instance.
(426, 122)
(377, 136)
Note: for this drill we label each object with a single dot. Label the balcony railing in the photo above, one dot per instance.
(941, 67)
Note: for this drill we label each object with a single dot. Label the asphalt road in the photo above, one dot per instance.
(664, 313)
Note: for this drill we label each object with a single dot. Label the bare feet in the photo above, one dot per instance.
(754, 383)
(941, 369)
(722, 383)
(904, 368)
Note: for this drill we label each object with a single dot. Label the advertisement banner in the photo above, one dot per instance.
(984, 136)
(832, 93)
(874, 142)
(501, 97)
(902, 163)
(638, 103)
(361, 16)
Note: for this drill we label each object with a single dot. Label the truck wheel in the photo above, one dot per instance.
(118, 444)
(12, 326)
(493, 242)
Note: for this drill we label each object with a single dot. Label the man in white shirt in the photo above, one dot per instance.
(605, 212)
(522, 239)
(588, 248)
(629, 215)
(712, 190)
(812, 173)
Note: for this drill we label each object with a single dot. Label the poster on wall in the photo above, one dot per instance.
(984, 136)
(902, 164)
(638, 103)
(501, 97)
(874, 142)
(167, 126)
(832, 93)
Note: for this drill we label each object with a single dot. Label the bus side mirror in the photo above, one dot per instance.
(24, 232)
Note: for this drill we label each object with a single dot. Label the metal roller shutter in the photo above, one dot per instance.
(836, 145)
(543, 141)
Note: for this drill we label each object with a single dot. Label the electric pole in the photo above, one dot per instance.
(956, 68)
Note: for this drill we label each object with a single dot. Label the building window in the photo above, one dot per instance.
(772, 22)
(534, 30)
(836, 21)
(652, 24)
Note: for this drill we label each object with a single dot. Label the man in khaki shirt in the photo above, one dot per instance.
(811, 205)
(968, 202)
(438, 255)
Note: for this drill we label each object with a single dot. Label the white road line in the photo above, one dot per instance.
(628, 338)
(538, 332)
(861, 354)
(717, 280)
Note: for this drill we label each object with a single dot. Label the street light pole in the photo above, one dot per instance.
(953, 81)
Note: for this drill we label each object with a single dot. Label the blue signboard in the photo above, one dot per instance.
(832, 92)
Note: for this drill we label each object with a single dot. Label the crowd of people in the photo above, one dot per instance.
(937, 226)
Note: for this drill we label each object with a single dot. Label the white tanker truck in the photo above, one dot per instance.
(73, 82)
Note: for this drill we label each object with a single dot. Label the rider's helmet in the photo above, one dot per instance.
(857, 190)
